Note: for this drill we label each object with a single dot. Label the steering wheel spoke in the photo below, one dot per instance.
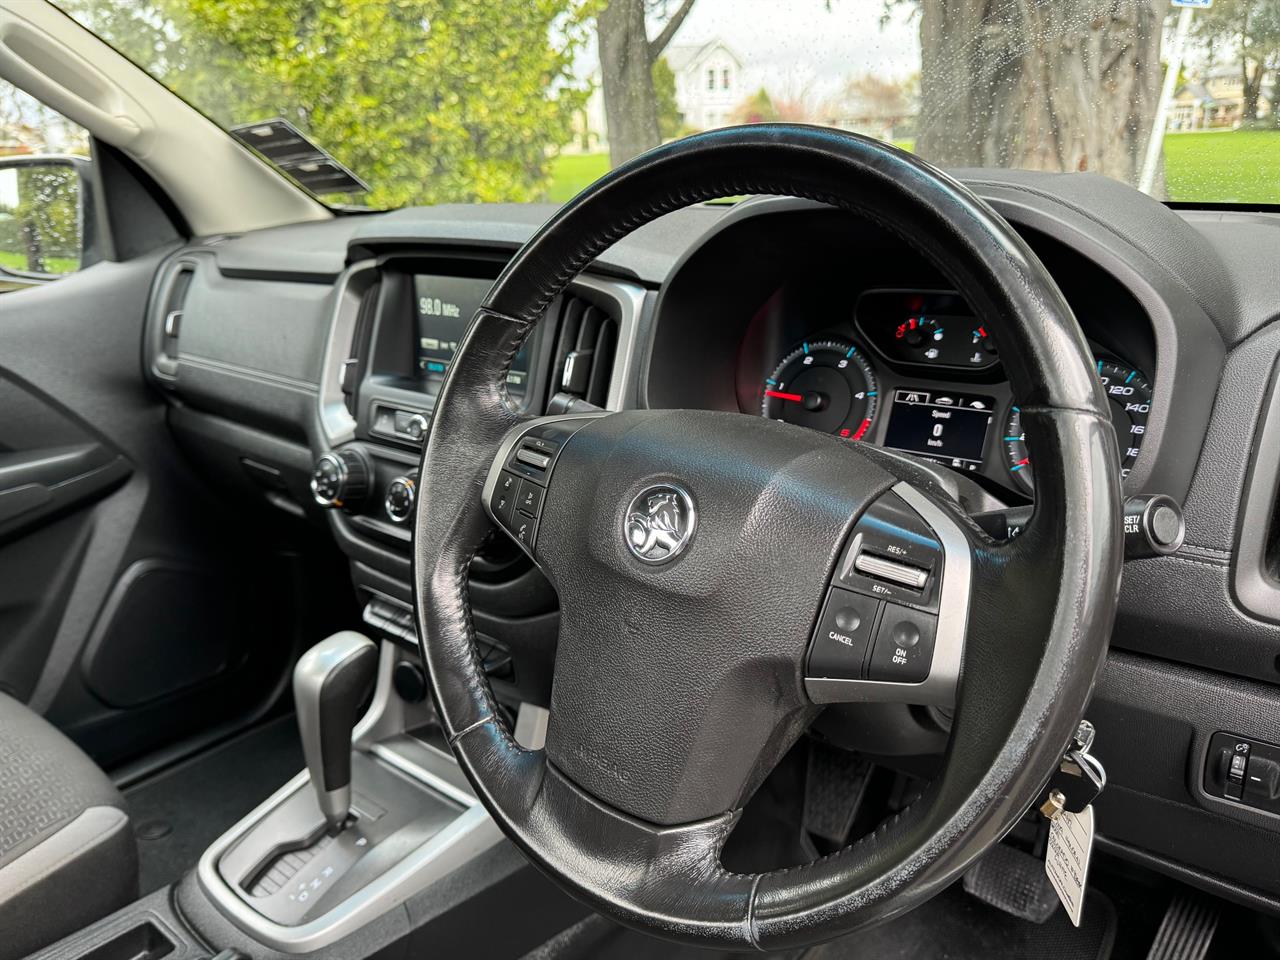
(520, 475)
(893, 622)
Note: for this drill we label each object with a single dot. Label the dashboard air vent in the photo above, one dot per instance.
(585, 350)
(177, 296)
(166, 314)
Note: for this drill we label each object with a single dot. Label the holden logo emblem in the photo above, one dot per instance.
(660, 523)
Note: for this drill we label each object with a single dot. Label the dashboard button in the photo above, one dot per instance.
(844, 632)
(400, 499)
(529, 500)
(1262, 782)
(504, 497)
(903, 648)
(416, 426)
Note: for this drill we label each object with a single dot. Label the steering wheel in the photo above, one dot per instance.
(721, 577)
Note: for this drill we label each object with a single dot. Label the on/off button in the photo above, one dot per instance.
(844, 632)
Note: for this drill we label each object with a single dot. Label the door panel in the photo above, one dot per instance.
(137, 606)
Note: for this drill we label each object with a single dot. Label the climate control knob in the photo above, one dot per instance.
(401, 495)
(340, 478)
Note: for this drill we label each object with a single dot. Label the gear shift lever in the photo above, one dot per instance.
(330, 682)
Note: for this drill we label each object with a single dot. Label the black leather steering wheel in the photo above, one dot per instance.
(683, 670)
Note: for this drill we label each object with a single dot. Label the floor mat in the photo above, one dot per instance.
(179, 813)
(956, 926)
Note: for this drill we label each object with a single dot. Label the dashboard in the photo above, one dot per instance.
(330, 343)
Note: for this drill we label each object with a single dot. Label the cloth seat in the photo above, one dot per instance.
(67, 851)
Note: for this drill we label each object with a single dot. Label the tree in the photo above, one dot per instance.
(757, 108)
(428, 100)
(877, 104)
(627, 56)
(1070, 85)
(670, 119)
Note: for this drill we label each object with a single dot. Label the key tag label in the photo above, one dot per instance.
(1067, 862)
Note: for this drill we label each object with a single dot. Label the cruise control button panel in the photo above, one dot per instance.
(877, 637)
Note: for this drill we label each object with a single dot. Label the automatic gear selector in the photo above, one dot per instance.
(330, 683)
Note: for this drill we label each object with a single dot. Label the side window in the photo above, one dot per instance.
(711, 79)
(44, 159)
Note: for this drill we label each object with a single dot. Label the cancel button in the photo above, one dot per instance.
(844, 633)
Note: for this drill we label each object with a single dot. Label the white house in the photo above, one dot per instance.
(708, 82)
(708, 88)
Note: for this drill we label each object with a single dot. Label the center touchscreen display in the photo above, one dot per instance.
(445, 306)
(946, 427)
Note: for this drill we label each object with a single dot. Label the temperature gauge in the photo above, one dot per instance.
(933, 328)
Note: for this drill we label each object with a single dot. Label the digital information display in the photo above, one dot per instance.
(948, 428)
(445, 306)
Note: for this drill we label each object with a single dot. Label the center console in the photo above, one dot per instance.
(399, 318)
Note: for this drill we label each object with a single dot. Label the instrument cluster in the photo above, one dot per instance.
(917, 371)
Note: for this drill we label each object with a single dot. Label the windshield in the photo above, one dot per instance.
(432, 101)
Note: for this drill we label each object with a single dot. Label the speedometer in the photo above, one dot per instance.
(1129, 397)
(826, 385)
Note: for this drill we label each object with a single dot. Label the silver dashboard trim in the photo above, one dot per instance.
(630, 298)
(423, 775)
(336, 422)
(939, 687)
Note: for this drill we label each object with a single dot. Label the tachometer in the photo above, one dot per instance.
(1129, 394)
(826, 385)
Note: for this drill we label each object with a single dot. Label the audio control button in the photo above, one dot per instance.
(529, 499)
(503, 503)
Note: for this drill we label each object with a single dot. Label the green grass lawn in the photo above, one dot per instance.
(1240, 166)
(18, 261)
(571, 172)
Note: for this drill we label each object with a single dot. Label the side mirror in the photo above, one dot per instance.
(43, 203)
